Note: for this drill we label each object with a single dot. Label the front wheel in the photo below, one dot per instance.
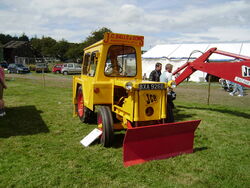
(105, 120)
(65, 73)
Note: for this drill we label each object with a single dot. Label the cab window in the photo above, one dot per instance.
(86, 61)
(121, 61)
(90, 63)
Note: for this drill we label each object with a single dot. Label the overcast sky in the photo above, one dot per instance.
(160, 21)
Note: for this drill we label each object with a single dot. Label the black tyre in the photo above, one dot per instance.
(105, 120)
(65, 73)
(84, 114)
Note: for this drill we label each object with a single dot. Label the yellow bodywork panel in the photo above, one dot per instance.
(150, 105)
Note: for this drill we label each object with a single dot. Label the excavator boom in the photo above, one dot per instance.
(237, 71)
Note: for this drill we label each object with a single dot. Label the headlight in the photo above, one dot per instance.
(129, 85)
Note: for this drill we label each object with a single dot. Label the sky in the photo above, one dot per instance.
(159, 21)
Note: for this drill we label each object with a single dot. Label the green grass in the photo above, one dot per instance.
(40, 142)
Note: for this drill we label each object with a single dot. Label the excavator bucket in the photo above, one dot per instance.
(142, 144)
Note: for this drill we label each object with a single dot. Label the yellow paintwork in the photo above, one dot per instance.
(130, 107)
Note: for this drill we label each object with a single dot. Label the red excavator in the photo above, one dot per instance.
(237, 71)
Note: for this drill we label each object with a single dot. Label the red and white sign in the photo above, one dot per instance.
(123, 39)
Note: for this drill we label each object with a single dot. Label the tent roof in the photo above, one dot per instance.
(161, 50)
(183, 51)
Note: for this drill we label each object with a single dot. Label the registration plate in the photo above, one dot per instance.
(151, 86)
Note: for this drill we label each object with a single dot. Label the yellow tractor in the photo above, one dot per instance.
(111, 84)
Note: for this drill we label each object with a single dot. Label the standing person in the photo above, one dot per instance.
(237, 88)
(2, 86)
(166, 77)
(155, 74)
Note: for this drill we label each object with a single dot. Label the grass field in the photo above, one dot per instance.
(40, 141)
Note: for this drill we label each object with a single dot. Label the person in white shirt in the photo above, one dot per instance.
(167, 75)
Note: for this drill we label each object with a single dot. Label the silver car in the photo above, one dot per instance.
(71, 68)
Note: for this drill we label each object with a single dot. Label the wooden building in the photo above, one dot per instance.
(14, 49)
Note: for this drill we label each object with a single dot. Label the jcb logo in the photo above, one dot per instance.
(150, 98)
(245, 71)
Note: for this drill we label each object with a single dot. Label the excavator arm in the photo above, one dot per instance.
(237, 71)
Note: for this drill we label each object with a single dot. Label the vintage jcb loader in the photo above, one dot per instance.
(111, 84)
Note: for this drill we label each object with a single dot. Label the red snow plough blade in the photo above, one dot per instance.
(142, 144)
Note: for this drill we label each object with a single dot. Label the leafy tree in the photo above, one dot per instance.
(74, 52)
(36, 44)
(23, 37)
(5, 38)
(49, 47)
(45, 46)
(60, 49)
(96, 36)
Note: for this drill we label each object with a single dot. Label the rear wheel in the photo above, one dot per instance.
(105, 120)
(84, 114)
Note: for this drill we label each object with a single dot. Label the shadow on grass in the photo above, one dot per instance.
(179, 116)
(231, 112)
(200, 149)
(24, 120)
(118, 140)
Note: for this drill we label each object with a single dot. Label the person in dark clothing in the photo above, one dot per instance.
(155, 74)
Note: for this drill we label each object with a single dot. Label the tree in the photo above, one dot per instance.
(60, 49)
(75, 52)
(45, 46)
(96, 36)
(49, 47)
(23, 37)
(5, 38)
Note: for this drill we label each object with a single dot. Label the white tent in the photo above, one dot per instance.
(178, 54)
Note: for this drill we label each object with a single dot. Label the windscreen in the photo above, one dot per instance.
(121, 61)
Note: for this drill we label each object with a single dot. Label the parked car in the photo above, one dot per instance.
(57, 68)
(42, 67)
(71, 68)
(4, 64)
(18, 68)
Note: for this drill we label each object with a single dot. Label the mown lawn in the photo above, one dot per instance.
(40, 142)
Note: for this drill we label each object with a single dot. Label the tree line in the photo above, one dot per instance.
(63, 50)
